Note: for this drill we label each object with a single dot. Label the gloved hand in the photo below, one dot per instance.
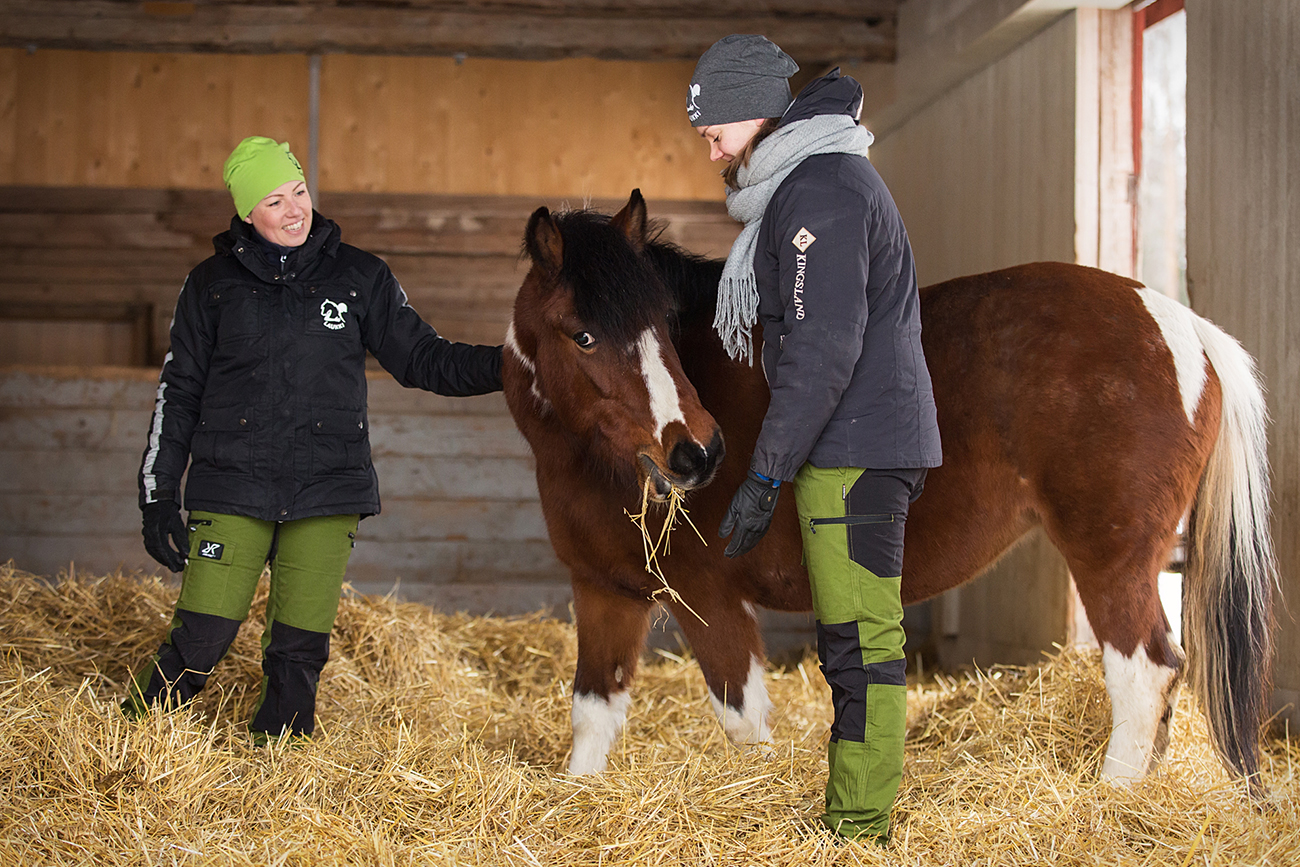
(163, 524)
(749, 514)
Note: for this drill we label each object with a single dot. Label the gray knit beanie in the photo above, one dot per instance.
(740, 78)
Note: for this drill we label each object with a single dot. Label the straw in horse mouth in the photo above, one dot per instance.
(675, 498)
(663, 486)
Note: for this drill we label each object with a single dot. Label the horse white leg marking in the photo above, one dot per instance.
(596, 724)
(749, 724)
(1175, 323)
(1139, 690)
(665, 404)
(512, 344)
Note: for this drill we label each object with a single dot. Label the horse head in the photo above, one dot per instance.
(589, 352)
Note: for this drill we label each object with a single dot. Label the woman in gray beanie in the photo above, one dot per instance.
(825, 266)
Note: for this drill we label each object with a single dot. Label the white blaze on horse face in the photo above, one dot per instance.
(512, 344)
(1140, 691)
(749, 725)
(665, 403)
(596, 724)
(1175, 322)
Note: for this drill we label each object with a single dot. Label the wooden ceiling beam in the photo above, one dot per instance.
(613, 30)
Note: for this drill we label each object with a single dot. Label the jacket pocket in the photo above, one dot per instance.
(237, 310)
(339, 441)
(223, 439)
(332, 311)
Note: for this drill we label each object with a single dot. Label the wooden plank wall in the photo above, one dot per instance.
(565, 128)
(461, 526)
(985, 178)
(110, 249)
(1243, 221)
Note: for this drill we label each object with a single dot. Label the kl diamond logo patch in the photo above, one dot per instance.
(803, 239)
(211, 550)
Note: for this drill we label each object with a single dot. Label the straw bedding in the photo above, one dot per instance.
(442, 739)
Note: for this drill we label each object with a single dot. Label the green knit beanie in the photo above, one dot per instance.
(254, 168)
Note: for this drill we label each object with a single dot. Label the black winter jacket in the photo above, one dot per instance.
(264, 390)
(840, 313)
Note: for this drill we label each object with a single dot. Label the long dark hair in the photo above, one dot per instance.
(742, 159)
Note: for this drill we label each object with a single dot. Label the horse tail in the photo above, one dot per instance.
(1231, 568)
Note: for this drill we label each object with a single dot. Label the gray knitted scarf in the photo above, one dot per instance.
(770, 162)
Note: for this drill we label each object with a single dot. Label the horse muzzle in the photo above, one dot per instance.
(689, 466)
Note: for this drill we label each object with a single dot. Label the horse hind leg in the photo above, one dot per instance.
(1142, 663)
(1143, 693)
(611, 634)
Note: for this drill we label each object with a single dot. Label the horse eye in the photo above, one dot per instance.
(584, 340)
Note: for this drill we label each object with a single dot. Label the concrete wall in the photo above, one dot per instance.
(1243, 222)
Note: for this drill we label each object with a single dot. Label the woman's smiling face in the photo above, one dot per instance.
(284, 216)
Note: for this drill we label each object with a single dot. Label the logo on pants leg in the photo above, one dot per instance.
(211, 550)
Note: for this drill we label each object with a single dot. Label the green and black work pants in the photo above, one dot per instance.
(227, 554)
(852, 522)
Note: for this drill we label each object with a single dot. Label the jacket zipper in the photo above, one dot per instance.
(852, 520)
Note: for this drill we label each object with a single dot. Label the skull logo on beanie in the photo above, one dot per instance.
(740, 77)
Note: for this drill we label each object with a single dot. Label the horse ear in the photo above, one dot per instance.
(543, 242)
(631, 221)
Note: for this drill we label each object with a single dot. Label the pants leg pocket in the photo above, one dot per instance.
(226, 556)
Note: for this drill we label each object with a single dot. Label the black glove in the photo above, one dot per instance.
(163, 524)
(749, 514)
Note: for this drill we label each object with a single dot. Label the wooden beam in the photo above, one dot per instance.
(637, 30)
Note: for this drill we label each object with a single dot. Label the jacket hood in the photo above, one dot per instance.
(831, 94)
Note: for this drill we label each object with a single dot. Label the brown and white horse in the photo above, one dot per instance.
(1067, 397)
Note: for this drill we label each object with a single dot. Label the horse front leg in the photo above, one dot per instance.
(730, 652)
(611, 635)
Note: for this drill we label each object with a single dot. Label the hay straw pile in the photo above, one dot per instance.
(441, 740)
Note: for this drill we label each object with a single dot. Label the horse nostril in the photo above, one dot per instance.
(687, 459)
(717, 450)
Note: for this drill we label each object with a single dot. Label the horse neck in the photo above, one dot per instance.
(691, 280)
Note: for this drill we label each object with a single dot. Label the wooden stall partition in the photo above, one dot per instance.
(461, 527)
(573, 129)
(579, 129)
(126, 119)
(1243, 262)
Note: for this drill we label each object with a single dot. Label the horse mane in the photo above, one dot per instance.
(692, 279)
(615, 292)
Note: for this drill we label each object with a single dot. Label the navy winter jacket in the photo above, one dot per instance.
(841, 315)
(263, 393)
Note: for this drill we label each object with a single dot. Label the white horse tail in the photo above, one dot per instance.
(1231, 567)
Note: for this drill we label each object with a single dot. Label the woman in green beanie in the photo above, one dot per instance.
(263, 397)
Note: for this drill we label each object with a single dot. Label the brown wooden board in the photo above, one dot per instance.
(638, 31)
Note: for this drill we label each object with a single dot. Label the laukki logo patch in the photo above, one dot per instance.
(693, 110)
(332, 312)
(211, 550)
(803, 239)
